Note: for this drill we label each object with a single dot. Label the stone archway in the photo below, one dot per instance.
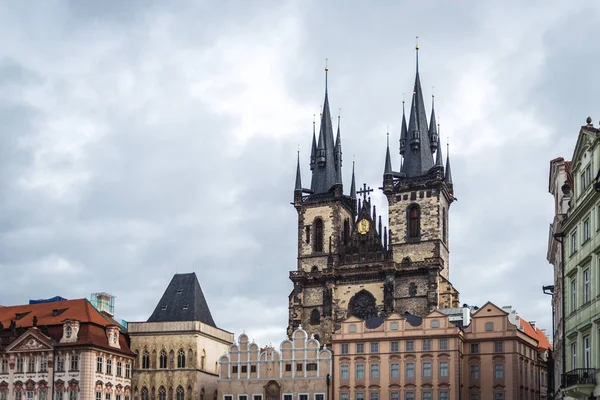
(272, 391)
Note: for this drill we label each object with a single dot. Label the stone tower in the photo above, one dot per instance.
(348, 263)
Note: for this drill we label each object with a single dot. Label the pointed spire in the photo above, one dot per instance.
(403, 130)
(433, 133)
(324, 174)
(388, 160)
(338, 154)
(438, 154)
(448, 176)
(417, 52)
(313, 151)
(418, 158)
(298, 178)
(353, 184)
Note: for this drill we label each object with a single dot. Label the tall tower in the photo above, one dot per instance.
(348, 262)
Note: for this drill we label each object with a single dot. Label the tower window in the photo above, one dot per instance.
(315, 316)
(346, 231)
(414, 221)
(318, 242)
(307, 233)
(444, 226)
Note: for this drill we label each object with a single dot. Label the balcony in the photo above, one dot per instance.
(579, 383)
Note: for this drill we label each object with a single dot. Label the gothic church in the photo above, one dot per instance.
(348, 264)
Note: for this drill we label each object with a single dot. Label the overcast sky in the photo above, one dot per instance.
(139, 139)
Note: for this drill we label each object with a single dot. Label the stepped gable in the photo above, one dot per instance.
(183, 300)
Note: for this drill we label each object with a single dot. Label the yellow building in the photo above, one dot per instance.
(300, 370)
(177, 349)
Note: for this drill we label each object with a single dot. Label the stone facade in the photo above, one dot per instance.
(190, 351)
(300, 370)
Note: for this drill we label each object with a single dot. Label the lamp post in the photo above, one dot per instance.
(549, 290)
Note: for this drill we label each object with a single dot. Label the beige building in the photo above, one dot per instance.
(300, 370)
(491, 354)
(177, 349)
(63, 350)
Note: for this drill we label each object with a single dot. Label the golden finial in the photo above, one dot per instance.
(339, 113)
(433, 91)
(403, 97)
(417, 43)
(326, 67)
(353, 158)
(388, 130)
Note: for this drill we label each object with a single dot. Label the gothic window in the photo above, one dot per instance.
(307, 231)
(362, 305)
(191, 359)
(162, 393)
(315, 317)
(414, 221)
(346, 231)
(180, 393)
(163, 359)
(412, 289)
(444, 226)
(145, 393)
(145, 361)
(181, 359)
(318, 240)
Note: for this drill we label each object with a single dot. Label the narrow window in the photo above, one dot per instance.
(414, 217)
(573, 295)
(163, 359)
(315, 317)
(145, 360)
(587, 358)
(307, 233)
(444, 227)
(318, 246)
(586, 285)
(181, 359)
(444, 369)
(346, 231)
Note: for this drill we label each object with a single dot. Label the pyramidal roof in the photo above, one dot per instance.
(183, 301)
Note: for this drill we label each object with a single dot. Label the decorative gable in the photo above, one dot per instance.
(31, 340)
(70, 331)
(112, 335)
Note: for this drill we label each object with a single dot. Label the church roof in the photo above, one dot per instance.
(183, 300)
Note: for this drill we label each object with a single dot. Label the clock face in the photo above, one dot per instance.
(363, 226)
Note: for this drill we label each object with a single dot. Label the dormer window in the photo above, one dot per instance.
(180, 291)
(185, 306)
(164, 308)
(68, 332)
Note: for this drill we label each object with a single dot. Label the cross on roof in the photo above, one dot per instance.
(364, 191)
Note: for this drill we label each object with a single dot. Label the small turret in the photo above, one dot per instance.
(313, 151)
(403, 131)
(448, 176)
(353, 184)
(388, 160)
(413, 129)
(338, 155)
(433, 133)
(298, 187)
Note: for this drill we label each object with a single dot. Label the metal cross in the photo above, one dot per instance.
(364, 191)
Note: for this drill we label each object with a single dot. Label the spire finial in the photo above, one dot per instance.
(417, 51)
(326, 72)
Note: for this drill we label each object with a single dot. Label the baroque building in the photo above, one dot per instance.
(299, 370)
(178, 348)
(577, 232)
(348, 262)
(61, 349)
(449, 354)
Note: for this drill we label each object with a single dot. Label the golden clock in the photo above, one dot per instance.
(363, 226)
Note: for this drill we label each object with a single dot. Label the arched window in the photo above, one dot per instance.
(444, 227)
(346, 231)
(145, 393)
(315, 316)
(191, 359)
(180, 393)
(202, 394)
(171, 363)
(181, 359)
(318, 241)
(414, 221)
(145, 361)
(163, 359)
(162, 393)
(203, 360)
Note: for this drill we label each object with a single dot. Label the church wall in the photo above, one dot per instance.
(344, 292)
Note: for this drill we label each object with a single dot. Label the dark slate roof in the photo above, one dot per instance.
(412, 319)
(183, 301)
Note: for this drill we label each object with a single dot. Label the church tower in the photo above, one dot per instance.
(348, 262)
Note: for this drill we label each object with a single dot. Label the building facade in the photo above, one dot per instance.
(300, 370)
(349, 264)
(63, 350)
(178, 348)
(559, 185)
(581, 284)
(449, 354)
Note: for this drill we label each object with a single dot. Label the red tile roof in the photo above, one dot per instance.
(537, 334)
(92, 328)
